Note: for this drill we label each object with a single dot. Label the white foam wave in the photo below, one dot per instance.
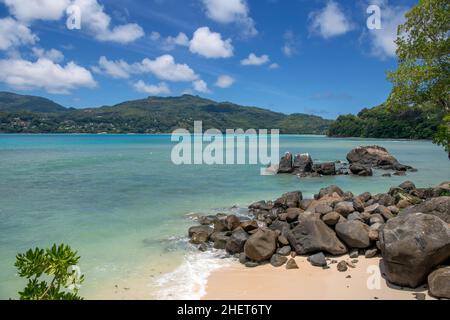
(189, 280)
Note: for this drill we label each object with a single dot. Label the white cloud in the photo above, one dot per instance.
(29, 10)
(155, 36)
(383, 41)
(330, 21)
(254, 60)
(274, 66)
(225, 81)
(210, 44)
(98, 22)
(44, 74)
(231, 11)
(52, 54)
(122, 34)
(93, 17)
(116, 69)
(14, 34)
(201, 86)
(163, 67)
(171, 42)
(161, 88)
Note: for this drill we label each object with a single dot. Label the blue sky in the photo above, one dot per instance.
(291, 56)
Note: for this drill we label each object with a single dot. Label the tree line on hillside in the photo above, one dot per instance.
(418, 122)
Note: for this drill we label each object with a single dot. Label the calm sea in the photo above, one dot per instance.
(120, 202)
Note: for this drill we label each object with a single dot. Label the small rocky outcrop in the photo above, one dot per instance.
(361, 170)
(303, 163)
(412, 245)
(286, 165)
(374, 157)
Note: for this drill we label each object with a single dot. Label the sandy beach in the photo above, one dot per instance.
(305, 283)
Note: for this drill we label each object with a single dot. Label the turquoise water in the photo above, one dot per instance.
(120, 201)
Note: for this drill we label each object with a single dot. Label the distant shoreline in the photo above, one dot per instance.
(169, 134)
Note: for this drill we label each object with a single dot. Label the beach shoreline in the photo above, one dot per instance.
(307, 283)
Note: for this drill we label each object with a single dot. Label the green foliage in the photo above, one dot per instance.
(159, 115)
(442, 136)
(424, 57)
(423, 74)
(50, 273)
(419, 122)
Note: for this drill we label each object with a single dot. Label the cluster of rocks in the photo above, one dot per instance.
(408, 226)
(361, 162)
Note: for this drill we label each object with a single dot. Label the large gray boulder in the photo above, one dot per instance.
(439, 283)
(412, 245)
(374, 156)
(236, 242)
(286, 164)
(313, 235)
(439, 207)
(354, 233)
(261, 245)
(361, 170)
(289, 200)
(328, 191)
(200, 234)
(303, 163)
(325, 169)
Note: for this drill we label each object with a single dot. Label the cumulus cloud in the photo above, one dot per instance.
(14, 34)
(98, 23)
(52, 54)
(254, 60)
(118, 69)
(44, 74)
(163, 67)
(29, 10)
(201, 86)
(383, 41)
(93, 17)
(225, 81)
(231, 11)
(161, 88)
(210, 44)
(171, 42)
(330, 21)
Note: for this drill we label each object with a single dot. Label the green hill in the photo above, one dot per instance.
(11, 102)
(418, 122)
(155, 115)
